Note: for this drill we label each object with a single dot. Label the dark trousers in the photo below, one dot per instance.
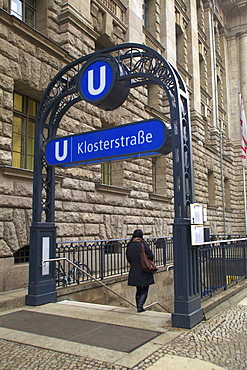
(141, 296)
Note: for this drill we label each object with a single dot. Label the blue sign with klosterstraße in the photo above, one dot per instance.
(138, 139)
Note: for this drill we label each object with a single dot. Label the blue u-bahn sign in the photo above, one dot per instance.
(145, 138)
(98, 83)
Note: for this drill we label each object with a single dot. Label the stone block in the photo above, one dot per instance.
(91, 229)
(9, 50)
(5, 251)
(16, 202)
(10, 236)
(79, 231)
(22, 223)
(7, 117)
(6, 83)
(70, 183)
(6, 187)
(5, 158)
(23, 188)
(24, 44)
(65, 230)
(12, 276)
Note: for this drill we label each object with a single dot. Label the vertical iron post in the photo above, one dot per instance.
(187, 297)
(42, 288)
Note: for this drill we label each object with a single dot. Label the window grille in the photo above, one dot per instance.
(22, 255)
(113, 247)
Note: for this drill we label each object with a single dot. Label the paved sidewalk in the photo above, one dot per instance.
(73, 335)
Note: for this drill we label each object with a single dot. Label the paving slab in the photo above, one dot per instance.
(243, 302)
(115, 337)
(105, 333)
(169, 362)
(215, 344)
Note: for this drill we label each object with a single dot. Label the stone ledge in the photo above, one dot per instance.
(223, 299)
(161, 198)
(16, 172)
(23, 173)
(12, 299)
(112, 189)
(212, 206)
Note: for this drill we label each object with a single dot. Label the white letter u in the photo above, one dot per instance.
(65, 150)
(101, 87)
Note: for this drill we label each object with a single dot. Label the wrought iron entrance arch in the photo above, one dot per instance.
(140, 65)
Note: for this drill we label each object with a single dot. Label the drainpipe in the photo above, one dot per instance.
(217, 119)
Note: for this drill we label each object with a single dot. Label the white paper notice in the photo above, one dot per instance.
(45, 254)
(196, 211)
(197, 235)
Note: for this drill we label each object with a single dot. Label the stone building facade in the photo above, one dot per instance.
(205, 40)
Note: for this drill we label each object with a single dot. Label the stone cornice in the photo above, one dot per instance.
(203, 37)
(184, 71)
(206, 94)
(155, 44)
(156, 113)
(211, 148)
(70, 15)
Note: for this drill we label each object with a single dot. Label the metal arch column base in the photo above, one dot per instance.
(42, 286)
(187, 297)
(39, 299)
(187, 321)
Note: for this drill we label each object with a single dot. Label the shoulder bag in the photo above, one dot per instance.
(146, 264)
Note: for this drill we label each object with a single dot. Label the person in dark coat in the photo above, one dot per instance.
(138, 278)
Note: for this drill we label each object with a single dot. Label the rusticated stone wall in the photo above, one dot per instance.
(85, 208)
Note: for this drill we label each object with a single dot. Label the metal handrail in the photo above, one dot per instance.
(85, 272)
(109, 240)
(98, 281)
(159, 304)
(222, 241)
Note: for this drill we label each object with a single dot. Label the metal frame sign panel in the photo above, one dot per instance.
(145, 138)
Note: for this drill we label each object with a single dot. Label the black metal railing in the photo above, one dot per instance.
(221, 263)
(103, 258)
